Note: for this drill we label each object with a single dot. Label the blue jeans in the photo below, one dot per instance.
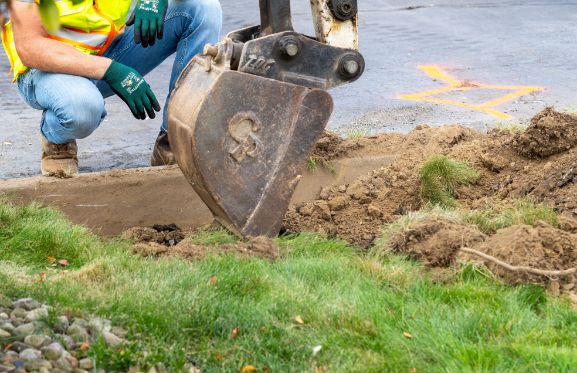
(74, 106)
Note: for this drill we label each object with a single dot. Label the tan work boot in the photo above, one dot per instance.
(162, 155)
(59, 160)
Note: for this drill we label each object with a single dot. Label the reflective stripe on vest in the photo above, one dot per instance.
(89, 25)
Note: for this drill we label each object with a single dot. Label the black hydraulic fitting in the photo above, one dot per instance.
(344, 9)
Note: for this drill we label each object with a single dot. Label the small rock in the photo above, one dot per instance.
(66, 340)
(27, 303)
(118, 331)
(8, 327)
(374, 211)
(36, 341)
(322, 207)
(7, 368)
(338, 203)
(111, 340)
(357, 190)
(77, 332)
(63, 364)
(24, 329)
(19, 346)
(86, 364)
(36, 365)
(325, 192)
(18, 313)
(80, 322)
(4, 316)
(37, 314)
(4, 334)
(62, 324)
(30, 354)
(306, 210)
(98, 326)
(10, 357)
(53, 351)
(493, 162)
(342, 188)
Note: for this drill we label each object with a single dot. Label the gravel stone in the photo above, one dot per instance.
(25, 329)
(97, 326)
(111, 340)
(77, 332)
(8, 327)
(28, 304)
(37, 349)
(36, 341)
(18, 313)
(62, 324)
(37, 314)
(30, 354)
(86, 364)
(36, 365)
(53, 351)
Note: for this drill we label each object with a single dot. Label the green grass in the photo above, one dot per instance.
(355, 306)
(522, 211)
(440, 176)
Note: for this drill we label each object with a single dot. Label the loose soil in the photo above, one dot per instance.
(540, 163)
(511, 165)
(169, 240)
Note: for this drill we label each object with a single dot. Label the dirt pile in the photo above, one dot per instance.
(511, 166)
(167, 235)
(518, 254)
(543, 247)
(155, 242)
(435, 241)
(550, 133)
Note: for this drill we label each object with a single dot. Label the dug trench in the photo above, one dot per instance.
(538, 164)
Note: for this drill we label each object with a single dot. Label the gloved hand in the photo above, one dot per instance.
(131, 87)
(148, 21)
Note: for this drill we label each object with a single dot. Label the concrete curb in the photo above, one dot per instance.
(113, 201)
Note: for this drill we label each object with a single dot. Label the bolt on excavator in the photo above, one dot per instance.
(245, 115)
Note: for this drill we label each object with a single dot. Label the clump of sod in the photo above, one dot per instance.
(521, 211)
(440, 176)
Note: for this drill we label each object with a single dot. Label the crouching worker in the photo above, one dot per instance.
(97, 53)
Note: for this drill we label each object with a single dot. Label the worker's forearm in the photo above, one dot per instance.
(53, 56)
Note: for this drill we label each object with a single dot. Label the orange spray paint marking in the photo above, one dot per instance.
(465, 85)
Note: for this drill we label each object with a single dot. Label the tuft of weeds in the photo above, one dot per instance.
(356, 134)
(511, 127)
(312, 165)
(440, 176)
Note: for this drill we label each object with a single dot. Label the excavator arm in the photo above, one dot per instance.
(245, 115)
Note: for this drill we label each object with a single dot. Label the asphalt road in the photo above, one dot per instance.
(515, 57)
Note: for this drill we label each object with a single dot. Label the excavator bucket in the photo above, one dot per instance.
(245, 115)
(242, 141)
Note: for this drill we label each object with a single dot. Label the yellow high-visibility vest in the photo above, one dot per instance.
(89, 25)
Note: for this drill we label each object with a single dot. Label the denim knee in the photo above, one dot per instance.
(205, 15)
(77, 118)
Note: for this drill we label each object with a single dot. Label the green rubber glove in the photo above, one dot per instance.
(131, 87)
(148, 21)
